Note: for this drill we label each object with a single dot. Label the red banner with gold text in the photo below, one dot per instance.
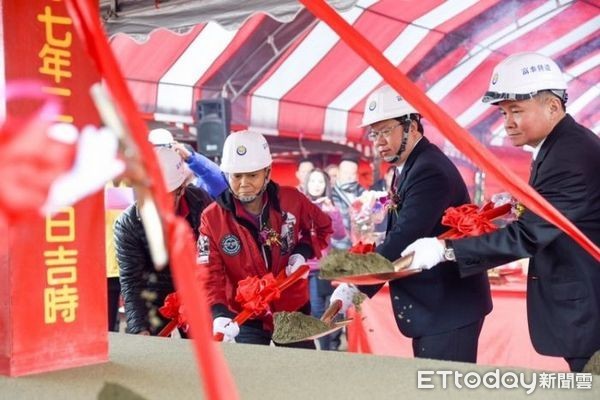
(52, 291)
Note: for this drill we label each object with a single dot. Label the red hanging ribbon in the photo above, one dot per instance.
(358, 341)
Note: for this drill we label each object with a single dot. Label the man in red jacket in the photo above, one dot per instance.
(255, 228)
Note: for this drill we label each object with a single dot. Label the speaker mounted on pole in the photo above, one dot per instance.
(212, 125)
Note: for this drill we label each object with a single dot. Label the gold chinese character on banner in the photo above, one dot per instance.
(63, 300)
(61, 256)
(61, 275)
(54, 62)
(55, 55)
(60, 227)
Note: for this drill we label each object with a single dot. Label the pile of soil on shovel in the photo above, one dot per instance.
(593, 365)
(294, 326)
(340, 263)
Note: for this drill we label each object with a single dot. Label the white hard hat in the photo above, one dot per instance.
(521, 76)
(174, 170)
(160, 137)
(245, 151)
(385, 103)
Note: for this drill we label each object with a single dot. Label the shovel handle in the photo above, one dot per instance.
(333, 309)
(403, 262)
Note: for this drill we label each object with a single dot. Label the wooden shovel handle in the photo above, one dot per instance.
(333, 309)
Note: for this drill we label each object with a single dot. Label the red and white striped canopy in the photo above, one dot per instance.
(298, 79)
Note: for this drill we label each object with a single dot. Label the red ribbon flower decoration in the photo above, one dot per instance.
(362, 248)
(254, 293)
(467, 220)
(173, 309)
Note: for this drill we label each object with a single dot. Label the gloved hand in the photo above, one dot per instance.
(345, 293)
(294, 262)
(227, 327)
(428, 252)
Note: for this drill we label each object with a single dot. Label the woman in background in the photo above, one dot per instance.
(317, 188)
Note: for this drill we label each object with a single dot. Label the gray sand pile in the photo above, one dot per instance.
(294, 327)
(342, 263)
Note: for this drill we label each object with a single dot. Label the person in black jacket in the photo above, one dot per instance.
(143, 288)
(563, 286)
(442, 313)
(343, 193)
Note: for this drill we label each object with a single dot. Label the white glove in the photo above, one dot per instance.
(227, 327)
(428, 253)
(345, 293)
(294, 262)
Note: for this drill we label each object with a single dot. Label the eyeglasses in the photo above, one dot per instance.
(373, 136)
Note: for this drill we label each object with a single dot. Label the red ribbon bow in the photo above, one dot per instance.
(467, 220)
(254, 293)
(362, 248)
(173, 309)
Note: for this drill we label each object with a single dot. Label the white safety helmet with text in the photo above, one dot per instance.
(245, 151)
(522, 76)
(385, 103)
(174, 170)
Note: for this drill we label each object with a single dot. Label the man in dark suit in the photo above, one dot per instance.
(563, 290)
(441, 312)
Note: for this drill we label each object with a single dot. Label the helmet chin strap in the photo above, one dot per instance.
(394, 159)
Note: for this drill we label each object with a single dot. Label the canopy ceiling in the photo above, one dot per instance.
(140, 17)
(298, 79)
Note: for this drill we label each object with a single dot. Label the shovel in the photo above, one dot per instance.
(283, 283)
(401, 270)
(328, 325)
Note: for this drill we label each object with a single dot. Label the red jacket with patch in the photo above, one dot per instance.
(230, 250)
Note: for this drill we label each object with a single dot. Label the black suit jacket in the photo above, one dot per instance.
(437, 300)
(563, 288)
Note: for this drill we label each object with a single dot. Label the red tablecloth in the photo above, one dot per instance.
(504, 339)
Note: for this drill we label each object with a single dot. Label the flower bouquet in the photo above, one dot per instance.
(366, 212)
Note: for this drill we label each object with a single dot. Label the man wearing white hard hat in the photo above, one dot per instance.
(442, 313)
(255, 228)
(208, 174)
(563, 291)
(143, 288)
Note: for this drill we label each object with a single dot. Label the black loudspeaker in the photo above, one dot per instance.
(212, 125)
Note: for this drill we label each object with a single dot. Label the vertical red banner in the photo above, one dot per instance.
(52, 270)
